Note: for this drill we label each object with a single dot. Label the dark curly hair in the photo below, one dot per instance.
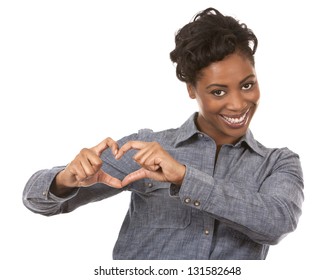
(210, 37)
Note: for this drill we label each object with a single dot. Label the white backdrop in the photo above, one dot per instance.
(74, 72)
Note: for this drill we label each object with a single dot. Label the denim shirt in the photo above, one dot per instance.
(232, 207)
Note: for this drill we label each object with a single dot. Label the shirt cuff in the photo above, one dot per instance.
(40, 184)
(196, 188)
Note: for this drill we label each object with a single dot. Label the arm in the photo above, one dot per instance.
(265, 216)
(38, 198)
(62, 189)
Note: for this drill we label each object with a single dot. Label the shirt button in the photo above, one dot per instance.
(200, 135)
(197, 203)
(44, 193)
(150, 185)
(207, 232)
(187, 200)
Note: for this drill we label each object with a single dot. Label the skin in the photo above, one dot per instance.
(227, 93)
(229, 88)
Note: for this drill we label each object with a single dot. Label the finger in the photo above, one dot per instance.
(151, 163)
(80, 166)
(153, 167)
(87, 182)
(109, 180)
(136, 145)
(108, 142)
(143, 156)
(90, 163)
(148, 153)
(81, 176)
(135, 176)
(113, 145)
(76, 170)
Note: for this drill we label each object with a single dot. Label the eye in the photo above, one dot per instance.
(218, 92)
(247, 86)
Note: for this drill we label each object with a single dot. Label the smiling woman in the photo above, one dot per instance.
(206, 190)
(227, 93)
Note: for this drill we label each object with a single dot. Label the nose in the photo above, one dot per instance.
(236, 102)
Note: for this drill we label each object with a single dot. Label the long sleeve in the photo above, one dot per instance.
(231, 205)
(265, 215)
(38, 198)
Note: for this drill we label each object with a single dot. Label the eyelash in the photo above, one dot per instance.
(218, 92)
(251, 84)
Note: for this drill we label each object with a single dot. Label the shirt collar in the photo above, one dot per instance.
(189, 129)
(248, 138)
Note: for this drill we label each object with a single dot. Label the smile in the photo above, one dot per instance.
(236, 122)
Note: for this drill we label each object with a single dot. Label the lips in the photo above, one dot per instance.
(236, 121)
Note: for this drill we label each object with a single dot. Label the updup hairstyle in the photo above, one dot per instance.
(208, 38)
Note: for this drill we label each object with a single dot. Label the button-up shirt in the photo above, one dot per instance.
(230, 206)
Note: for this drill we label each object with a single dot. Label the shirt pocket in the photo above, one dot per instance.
(157, 209)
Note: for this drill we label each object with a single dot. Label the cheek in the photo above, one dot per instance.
(209, 105)
(254, 97)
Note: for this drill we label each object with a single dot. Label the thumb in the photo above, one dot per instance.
(135, 176)
(109, 180)
(108, 142)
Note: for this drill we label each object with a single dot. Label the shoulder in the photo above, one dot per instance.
(267, 152)
(278, 153)
(164, 137)
(281, 158)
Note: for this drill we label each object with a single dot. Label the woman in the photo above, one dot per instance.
(207, 190)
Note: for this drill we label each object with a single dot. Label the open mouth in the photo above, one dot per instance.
(236, 121)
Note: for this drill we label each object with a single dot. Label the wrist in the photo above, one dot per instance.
(180, 179)
(58, 188)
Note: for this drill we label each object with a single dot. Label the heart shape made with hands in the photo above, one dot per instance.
(132, 177)
(147, 157)
(156, 163)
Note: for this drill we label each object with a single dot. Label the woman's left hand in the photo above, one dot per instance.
(155, 162)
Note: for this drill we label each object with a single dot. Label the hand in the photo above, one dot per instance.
(85, 170)
(156, 163)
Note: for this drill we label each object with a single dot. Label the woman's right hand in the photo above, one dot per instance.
(85, 170)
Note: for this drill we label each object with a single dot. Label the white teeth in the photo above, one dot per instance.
(235, 120)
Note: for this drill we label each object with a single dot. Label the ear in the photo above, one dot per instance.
(191, 91)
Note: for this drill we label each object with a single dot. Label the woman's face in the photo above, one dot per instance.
(227, 93)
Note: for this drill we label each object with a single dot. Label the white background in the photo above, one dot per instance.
(75, 72)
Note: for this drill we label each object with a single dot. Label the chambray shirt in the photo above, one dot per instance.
(231, 208)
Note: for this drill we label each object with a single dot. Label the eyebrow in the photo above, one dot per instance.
(241, 82)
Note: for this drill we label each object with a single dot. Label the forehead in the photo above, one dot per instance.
(234, 67)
